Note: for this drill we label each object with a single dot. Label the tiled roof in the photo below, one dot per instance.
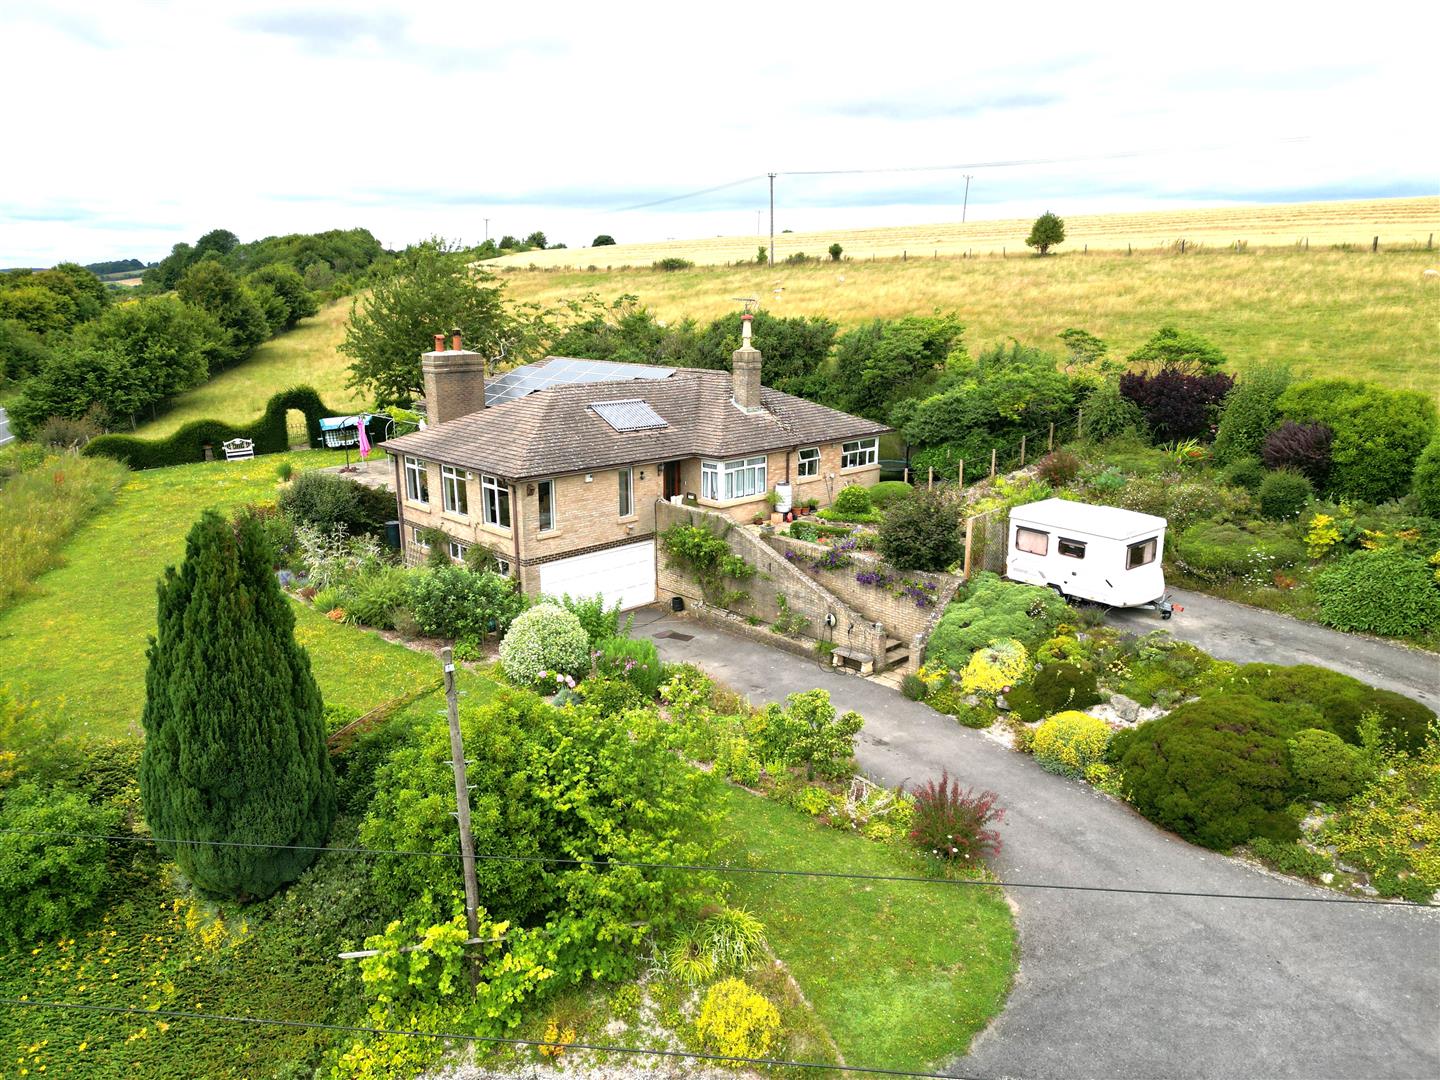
(558, 431)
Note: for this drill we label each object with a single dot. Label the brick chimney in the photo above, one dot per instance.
(454, 380)
(745, 370)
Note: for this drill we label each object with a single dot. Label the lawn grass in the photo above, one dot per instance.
(1323, 312)
(304, 356)
(902, 974)
(77, 644)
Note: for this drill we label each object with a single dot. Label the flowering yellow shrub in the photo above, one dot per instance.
(1322, 535)
(1071, 743)
(737, 1021)
(994, 668)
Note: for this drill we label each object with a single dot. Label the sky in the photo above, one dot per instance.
(132, 126)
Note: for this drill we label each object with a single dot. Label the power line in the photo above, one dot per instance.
(492, 1040)
(842, 875)
(687, 195)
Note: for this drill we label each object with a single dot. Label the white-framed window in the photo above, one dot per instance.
(1032, 541)
(452, 489)
(502, 566)
(627, 491)
(495, 501)
(1140, 553)
(545, 497)
(417, 537)
(1071, 549)
(859, 452)
(417, 481)
(737, 479)
(457, 550)
(809, 462)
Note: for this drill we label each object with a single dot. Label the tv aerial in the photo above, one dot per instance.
(751, 303)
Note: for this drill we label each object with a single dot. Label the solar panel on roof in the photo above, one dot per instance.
(629, 415)
(561, 371)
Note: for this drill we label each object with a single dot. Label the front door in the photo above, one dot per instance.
(671, 476)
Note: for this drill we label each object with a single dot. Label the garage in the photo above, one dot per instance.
(624, 574)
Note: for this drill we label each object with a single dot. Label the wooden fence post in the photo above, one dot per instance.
(1080, 424)
(1051, 444)
(906, 474)
(930, 478)
(969, 532)
(1022, 451)
(1375, 245)
(962, 472)
(992, 463)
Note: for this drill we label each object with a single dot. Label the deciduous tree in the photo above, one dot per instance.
(1047, 231)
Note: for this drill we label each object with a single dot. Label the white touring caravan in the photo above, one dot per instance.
(1098, 553)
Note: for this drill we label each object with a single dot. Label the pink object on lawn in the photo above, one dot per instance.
(364, 440)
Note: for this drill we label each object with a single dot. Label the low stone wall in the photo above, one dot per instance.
(900, 614)
(828, 617)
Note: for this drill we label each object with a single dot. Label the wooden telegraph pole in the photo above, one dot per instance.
(462, 798)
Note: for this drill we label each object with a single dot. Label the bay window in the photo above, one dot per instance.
(737, 479)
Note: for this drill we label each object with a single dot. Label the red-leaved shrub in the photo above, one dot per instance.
(955, 823)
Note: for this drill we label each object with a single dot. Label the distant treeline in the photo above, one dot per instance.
(80, 358)
(115, 266)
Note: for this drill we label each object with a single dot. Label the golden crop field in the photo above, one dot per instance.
(1397, 222)
(1325, 312)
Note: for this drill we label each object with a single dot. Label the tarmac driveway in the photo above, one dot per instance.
(1246, 634)
(1116, 985)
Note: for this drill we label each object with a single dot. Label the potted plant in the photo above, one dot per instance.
(772, 500)
(809, 506)
(758, 519)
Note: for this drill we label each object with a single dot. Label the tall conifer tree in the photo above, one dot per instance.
(234, 736)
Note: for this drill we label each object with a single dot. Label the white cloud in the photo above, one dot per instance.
(142, 124)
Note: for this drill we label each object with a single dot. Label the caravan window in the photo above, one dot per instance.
(1074, 549)
(1140, 553)
(1032, 541)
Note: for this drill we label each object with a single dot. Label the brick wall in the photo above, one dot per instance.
(899, 613)
(774, 576)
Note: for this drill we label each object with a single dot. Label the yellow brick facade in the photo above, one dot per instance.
(587, 508)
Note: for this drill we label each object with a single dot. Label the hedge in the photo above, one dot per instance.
(188, 443)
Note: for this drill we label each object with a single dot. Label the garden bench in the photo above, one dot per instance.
(861, 660)
(238, 449)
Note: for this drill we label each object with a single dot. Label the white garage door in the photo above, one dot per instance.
(625, 574)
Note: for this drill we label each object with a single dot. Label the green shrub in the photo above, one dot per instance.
(635, 660)
(888, 492)
(1244, 471)
(1109, 414)
(1391, 830)
(284, 471)
(326, 500)
(913, 687)
(807, 731)
(1425, 485)
(1216, 770)
(989, 609)
(373, 599)
(854, 499)
(673, 262)
(1070, 743)
(1325, 766)
(453, 602)
(1341, 700)
(736, 1021)
(852, 517)
(1249, 414)
(1378, 433)
(1389, 591)
(1284, 494)
(610, 695)
(1054, 688)
(600, 623)
(1291, 858)
(48, 883)
(921, 533)
(542, 643)
(1214, 552)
